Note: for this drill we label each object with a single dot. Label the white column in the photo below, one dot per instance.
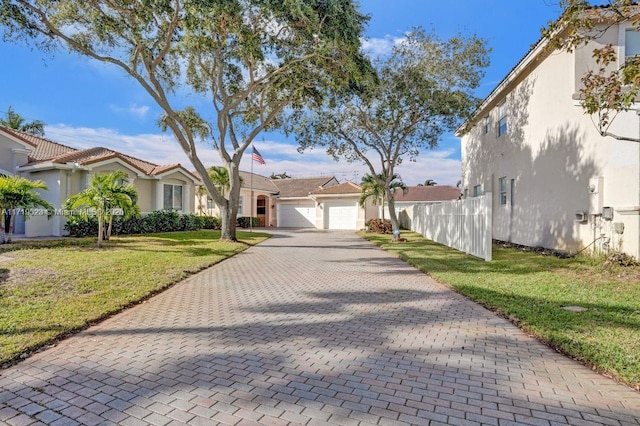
(159, 195)
(186, 198)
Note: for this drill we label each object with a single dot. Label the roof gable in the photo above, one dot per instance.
(302, 187)
(342, 188)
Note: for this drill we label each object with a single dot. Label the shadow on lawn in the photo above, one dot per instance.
(4, 274)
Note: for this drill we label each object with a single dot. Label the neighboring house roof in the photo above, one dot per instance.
(302, 187)
(340, 189)
(47, 151)
(43, 148)
(259, 182)
(427, 193)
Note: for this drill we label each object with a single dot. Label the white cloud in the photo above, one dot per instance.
(136, 111)
(280, 156)
(376, 47)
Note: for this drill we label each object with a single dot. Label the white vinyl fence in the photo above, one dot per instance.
(464, 225)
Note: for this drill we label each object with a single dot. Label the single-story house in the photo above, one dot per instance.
(67, 171)
(317, 202)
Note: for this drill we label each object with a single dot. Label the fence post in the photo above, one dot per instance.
(488, 227)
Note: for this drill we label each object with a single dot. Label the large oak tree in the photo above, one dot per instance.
(423, 89)
(251, 61)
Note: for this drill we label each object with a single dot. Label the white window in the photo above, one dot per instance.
(211, 204)
(241, 206)
(172, 197)
(502, 118)
(477, 190)
(486, 125)
(631, 43)
(503, 191)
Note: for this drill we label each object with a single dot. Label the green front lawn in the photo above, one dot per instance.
(530, 289)
(52, 288)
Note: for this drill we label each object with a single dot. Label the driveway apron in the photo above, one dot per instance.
(309, 327)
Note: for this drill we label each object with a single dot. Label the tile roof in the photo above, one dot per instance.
(342, 188)
(47, 151)
(259, 182)
(43, 148)
(428, 193)
(302, 187)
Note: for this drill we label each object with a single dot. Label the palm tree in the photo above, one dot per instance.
(220, 177)
(430, 182)
(15, 121)
(106, 197)
(372, 188)
(19, 193)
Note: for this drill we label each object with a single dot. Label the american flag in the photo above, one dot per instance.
(256, 156)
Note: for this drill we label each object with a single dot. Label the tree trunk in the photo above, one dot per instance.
(229, 212)
(100, 231)
(11, 220)
(108, 235)
(2, 227)
(382, 205)
(394, 218)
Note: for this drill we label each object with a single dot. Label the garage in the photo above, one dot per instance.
(301, 214)
(341, 214)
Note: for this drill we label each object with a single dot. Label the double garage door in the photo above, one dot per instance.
(300, 214)
(338, 214)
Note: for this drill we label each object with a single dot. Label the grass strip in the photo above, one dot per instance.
(49, 289)
(532, 290)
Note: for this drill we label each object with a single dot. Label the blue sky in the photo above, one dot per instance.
(86, 104)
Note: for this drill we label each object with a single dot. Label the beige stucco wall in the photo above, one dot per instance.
(553, 152)
(39, 225)
(12, 155)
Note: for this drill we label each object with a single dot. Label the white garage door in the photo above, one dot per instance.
(297, 215)
(341, 214)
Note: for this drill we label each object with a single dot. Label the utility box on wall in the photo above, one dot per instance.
(596, 194)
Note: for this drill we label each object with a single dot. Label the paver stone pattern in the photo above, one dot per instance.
(309, 327)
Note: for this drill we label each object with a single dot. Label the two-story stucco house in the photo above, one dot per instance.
(67, 171)
(555, 181)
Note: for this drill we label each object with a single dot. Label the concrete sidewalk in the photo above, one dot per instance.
(310, 327)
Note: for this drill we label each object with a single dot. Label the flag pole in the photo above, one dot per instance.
(251, 192)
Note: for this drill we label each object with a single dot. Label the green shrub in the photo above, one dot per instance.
(210, 222)
(244, 221)
(154, 222)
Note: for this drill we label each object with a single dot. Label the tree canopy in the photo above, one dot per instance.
(248, 62)
(423, 89)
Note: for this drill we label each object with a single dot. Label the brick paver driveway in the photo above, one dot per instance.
(309, 327)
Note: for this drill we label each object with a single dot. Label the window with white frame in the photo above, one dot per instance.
(477, 190)
(241, 205)
(172, 197)
(211, 204)
(631, 43)
(502, 118)
(486, 125)
(503, 190)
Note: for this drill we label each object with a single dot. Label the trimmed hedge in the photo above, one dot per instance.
(243, 221)
(154, 222)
